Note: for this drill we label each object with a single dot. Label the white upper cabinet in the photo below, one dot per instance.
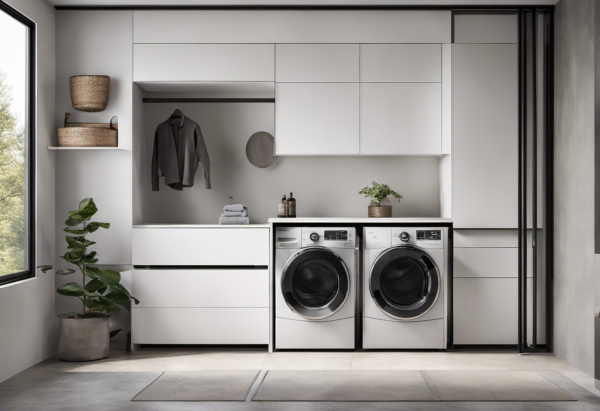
(401, 119)
(203, 62)
(486, 28)
(317, 118)
(485, 121)
(292, 26)
(317, 63)
(401, 63)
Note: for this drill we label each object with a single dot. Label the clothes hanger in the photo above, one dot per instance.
(177, 114)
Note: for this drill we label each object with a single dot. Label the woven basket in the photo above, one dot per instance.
(88, 134)
(89, 93)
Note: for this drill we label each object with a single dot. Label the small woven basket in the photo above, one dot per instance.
(89, 93)
(380, 211)
(88, 134)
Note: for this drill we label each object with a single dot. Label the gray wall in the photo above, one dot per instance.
(27, 317)
(323, 186)
(574, 183)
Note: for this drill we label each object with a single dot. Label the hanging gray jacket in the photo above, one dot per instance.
(178, 149)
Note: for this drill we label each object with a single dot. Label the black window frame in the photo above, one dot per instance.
(31, 148)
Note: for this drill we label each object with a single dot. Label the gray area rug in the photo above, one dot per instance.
(345, 386)
(199, 386)
(495, 386)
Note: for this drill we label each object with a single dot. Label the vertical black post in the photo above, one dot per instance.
(520, 105)
(549, 226)
(534, 191)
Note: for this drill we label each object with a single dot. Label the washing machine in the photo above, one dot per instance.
(315, 287)
(404, 284)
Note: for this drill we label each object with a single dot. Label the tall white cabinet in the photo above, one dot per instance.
(485, 119)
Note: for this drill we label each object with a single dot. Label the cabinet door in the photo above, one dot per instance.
(399, 63)
(314, 63)
(317, 119)
(401, 119)
(485, 122)
(485, 310)
(203, 62)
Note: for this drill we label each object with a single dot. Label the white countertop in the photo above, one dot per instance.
(201, 226)
(419, 220)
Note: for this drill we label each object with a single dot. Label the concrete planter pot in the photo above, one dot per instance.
(383, 210)
(83, 339)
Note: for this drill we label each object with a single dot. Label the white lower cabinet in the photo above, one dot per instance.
(227, 326)
(200, 285)
(485, 311)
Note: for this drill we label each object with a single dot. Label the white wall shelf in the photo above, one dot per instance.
(85, 148)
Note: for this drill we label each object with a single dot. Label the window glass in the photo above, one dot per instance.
(14, 146)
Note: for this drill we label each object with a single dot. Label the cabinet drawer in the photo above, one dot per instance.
(391, 63)
(485, 310)
(201, 246)
(317, 63)
(486, 262)
(201, 288)
(401, 119)
(203, 62)
(200, 325)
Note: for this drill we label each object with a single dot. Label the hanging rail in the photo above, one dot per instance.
(208, 100)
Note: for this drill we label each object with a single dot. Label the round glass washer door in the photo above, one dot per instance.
(315, 283)
(405, 282)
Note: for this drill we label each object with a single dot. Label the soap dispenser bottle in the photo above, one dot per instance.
(291, 205)
(282, 208)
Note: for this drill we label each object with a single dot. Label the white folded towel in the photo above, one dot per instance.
(243, 213)
(234, 220)
(234, 207)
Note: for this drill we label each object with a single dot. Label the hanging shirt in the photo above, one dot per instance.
(178, 150)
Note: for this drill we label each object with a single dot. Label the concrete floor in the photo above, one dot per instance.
(110, 384)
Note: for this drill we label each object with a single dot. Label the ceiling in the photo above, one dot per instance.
(124, 3)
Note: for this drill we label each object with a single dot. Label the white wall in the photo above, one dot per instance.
(322, 186)
(574, 183)
(27, 317)
(95, 42)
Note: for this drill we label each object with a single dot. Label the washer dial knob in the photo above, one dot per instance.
(314, 237)
(404, 236)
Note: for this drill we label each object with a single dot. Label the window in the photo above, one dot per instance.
(17, 136)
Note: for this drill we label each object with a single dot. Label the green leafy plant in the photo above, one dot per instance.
(102, 295)
(378, 192)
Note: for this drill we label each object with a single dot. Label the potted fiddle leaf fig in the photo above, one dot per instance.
(85, 336)
(380, 205)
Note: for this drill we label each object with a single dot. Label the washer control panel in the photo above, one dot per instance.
(332, 237)
(429, 235)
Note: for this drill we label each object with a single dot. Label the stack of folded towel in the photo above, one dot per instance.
(234, 214)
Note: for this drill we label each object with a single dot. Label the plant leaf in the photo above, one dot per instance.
(93, 304)
(119, 289)
(45, 268)
(110, 307)
(70, 258)
(84, 242)
(71, 290)
(114, 332)
(87, 208)
(75, 231)
(120, 299)
(94, 285)
(88, 258)
(73, 243)
(65, 271)
(67, 315)
(91, 227)
(74, 220)
(112, 278)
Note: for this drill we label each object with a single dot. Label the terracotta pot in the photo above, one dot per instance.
(83, 339)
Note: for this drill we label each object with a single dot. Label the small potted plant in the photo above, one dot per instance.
(380, 205)
(85, 336)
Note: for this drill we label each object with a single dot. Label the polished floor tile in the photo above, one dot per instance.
(309, 361)
(441, 361)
